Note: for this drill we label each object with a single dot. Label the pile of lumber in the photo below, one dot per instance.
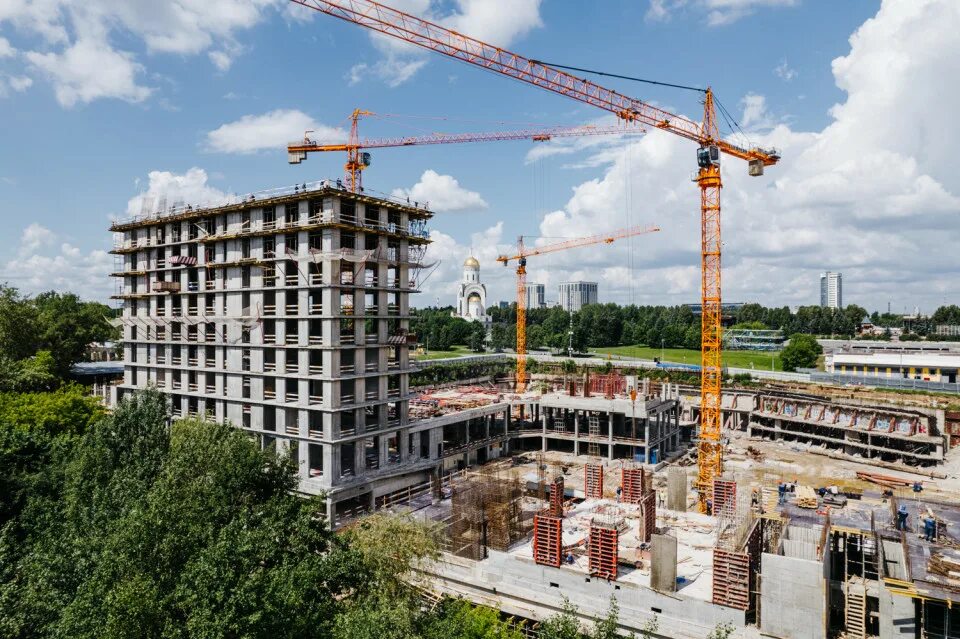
(806, 497)
(945, 566)
(887, 481)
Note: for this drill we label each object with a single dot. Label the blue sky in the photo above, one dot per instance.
(97, 97)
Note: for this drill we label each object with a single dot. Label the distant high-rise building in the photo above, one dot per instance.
(831, 290)
(575, 295)
(536, 295)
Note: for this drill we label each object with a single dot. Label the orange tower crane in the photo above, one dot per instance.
(429, 35)
(358, 159)
(523, 252)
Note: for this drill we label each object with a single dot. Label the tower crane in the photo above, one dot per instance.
(358, 159)
(429, 35)
(523, 252)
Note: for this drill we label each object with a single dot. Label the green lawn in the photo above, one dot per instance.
(736, 359)
(455, 351)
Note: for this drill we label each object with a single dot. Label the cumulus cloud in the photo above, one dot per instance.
(399, 61)
(166, 189)
(6, 49)
(77, 53)
(443, 193)
(448, 255)
(270, 131)
(45, 262)
(89, 70)
(871, 195)
(716, 12)
(35, 236)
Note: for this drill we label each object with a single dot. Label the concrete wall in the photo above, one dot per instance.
(793, 599)
(897, 616)
(520, 587)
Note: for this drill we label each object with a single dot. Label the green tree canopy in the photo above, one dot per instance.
(802, 352)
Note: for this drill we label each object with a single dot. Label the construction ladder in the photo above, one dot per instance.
(593, 430)
(856, 612)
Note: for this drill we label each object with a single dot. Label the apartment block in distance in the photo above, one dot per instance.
(286, 313)
(576, 295)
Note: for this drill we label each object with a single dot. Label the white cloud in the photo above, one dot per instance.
(443, 193)
(448, 255)
(6, 49)
(481, 19)
(784, 71)
(89, 70)
(871, 195)
(78, 56)
(167, 189)
(717, 12)
(20, 83)
(39, 266)
(270, 131)
(35, 236)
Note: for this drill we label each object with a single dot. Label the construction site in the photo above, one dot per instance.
(792, 511)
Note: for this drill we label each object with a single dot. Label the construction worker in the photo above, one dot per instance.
(929, 528)
(902, 517)
(781, 493)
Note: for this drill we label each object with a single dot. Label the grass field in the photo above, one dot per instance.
(736, 359)
(455, 351)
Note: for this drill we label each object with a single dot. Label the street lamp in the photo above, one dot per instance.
(661, 349)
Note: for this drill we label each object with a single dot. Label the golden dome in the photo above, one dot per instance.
(472, 262)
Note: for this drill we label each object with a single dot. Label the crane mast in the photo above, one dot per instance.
(428, 35)
(521, 257)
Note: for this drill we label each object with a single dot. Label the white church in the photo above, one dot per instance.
(472, 295)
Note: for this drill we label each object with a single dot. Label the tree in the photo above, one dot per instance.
(802, 352)
(563, 625)
(478, 338)
(458, 619)
(154, 528)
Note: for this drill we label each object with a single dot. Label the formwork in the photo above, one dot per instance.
(724, 496)
(735, 571)
(556, 496)
(593, 481)
(547, 540)
(602, 552)
(648, 516)
(632, 485)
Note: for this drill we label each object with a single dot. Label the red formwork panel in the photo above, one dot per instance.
(724, 496)
(556, 497)
(603, 552)
(593, 481)
(648, 516)
(632, 485)
(547, 540)
(731, 579)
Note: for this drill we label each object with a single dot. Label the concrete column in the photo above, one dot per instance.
(404, 445)
(610, 436)
(359, 460)
(384, 451)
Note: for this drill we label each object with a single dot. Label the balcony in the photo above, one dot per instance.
(371, 310)
(372, 367)
(211, 389)
(393, 309)
(292, 309)
(393, 393)
(210, 310)
(315, 369)
(316, 308)
(291, 339)
(316, 400)
(176, 361)
(349, 338)
(193, 387)
(291, 280)
(372, 395)
(193, 361)
(347, 369)
(162, 359)
(347, 398)
(269, 367)
(269, 338)
(393, 364)
(316, 279)
(371, 338)
(291, 397)
(292, 429)
(269, 394)
(315, 340)
(292, 368)
(346, 309)
(269, 309)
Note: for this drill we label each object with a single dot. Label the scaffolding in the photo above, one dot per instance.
(547, 540)
(602, 551)
(593, 481)
(487, 512)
